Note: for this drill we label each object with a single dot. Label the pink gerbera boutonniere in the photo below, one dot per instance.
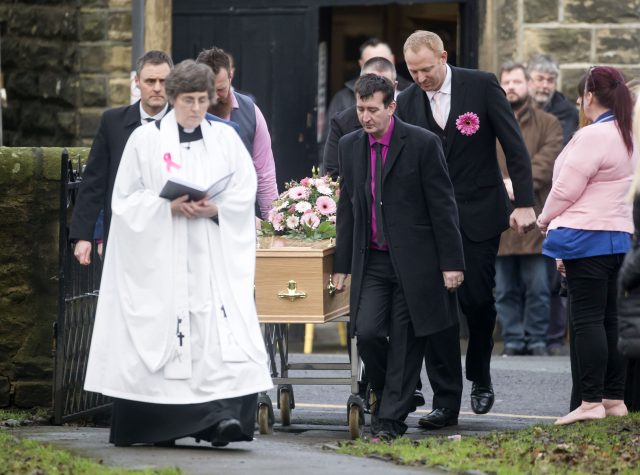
(468, 123)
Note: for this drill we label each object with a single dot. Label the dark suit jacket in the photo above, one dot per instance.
(116, 125)
(473, 167)
(420, 222)
(343, 123)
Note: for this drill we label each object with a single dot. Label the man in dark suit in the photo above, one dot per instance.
(398, 237)
(468, 111)
(116, 125)
(347, 120)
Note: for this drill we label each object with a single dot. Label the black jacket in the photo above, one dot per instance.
(342, 124)
(116, 125)
(566, 112)
(629, 295)
(420, 222)
(342, 100)
(473, 165)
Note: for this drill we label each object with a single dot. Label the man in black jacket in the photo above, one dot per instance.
(543, 72)
(345, 97)
(347, 120)
(468, 111)
(398, 236)
(116, 125)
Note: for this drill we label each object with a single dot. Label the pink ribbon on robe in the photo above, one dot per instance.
(170, 163)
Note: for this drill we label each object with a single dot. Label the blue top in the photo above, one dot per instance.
(569, 243)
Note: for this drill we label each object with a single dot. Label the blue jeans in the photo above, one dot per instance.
(523, 300)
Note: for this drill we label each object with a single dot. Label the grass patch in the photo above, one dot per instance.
(24, 417)
(611, 446)
(31, 457)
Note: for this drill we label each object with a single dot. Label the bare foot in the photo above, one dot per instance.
(614, 407)
(586, 412)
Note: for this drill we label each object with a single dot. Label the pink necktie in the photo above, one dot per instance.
(437, 110)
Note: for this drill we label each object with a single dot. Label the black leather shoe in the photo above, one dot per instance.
(228, 430)
(418, 400)
(439, 418)
(482, 398)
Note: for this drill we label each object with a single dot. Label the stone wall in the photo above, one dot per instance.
(64, 62)
(579, 33)
(29, 206)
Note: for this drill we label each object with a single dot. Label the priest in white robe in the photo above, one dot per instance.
(176, 340)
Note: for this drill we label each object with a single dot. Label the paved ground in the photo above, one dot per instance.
(528, 390)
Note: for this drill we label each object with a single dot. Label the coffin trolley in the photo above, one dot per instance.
(294, 285)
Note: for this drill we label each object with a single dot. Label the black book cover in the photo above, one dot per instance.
(176, 187)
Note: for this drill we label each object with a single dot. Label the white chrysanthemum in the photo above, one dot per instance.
(293, 222)
(303, 206)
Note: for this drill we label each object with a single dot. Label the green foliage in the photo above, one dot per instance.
(31, 457)
(607, 446)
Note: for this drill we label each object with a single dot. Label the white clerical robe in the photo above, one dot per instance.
(176, 320)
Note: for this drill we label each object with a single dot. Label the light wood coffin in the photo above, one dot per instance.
(293, 282)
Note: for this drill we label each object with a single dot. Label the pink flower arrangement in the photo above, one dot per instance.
(305, 210)
(468, 123)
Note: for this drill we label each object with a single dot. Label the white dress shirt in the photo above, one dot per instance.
(445, 96)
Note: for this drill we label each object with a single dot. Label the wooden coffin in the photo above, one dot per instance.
(293, 282)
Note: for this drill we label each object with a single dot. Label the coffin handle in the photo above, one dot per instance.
(331, 287)
(292, 293)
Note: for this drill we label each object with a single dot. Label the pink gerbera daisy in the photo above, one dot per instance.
(299, 193)
(326, 205)
(468, 123)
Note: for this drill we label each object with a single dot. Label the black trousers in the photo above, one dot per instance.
(391, 353)
(442, 352)
(594, 327)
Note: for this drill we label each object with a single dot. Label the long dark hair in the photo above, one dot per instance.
(607, 85)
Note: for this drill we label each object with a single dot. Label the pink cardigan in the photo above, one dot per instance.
(591, 179)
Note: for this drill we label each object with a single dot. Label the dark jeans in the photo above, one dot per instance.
(523, 300)
(387, 344)
(594, 324)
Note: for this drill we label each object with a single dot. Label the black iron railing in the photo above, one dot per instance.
(77, 300)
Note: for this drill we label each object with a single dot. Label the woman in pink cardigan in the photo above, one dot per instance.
(588, 223)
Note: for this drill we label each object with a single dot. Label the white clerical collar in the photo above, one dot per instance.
(446, 85)
(144, 116)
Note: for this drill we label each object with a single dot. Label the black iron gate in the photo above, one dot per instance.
(77, 299)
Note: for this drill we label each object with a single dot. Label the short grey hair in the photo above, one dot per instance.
(543, 63)
(189, 76)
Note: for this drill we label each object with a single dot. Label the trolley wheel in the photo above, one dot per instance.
(285, 407)
(263, 419)
(355, 421)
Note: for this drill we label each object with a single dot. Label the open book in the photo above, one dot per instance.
(176, 187)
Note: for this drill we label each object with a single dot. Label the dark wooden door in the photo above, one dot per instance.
(275, 49)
